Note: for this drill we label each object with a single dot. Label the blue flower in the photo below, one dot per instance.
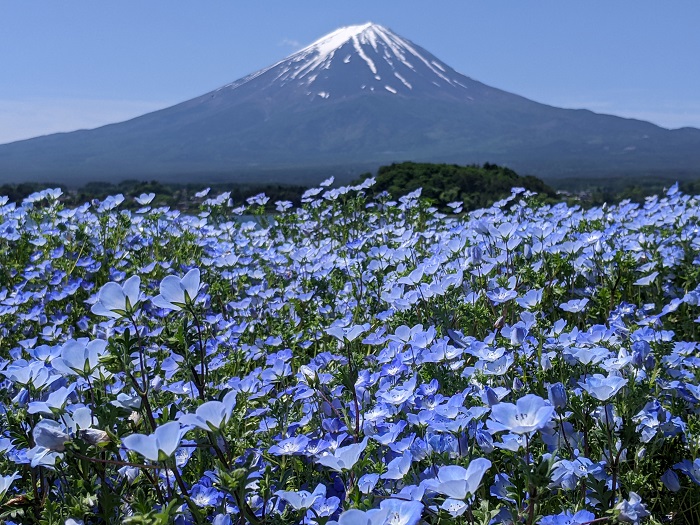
(400, 512)
(176, 293)
(632, 510)
(157, 446)
(530, 413)
(212, 415)
(204, 496)
(367, 483)
(55, 401)
(457, 482)
(325, 507)
(359, 517)
(6, 483)
(79, 358)
(343, 458)
(582, 517)
(531, 299)
(302, 499)
(398, 467)
(601, 387)
(118, 301)
(290, 447)
(574, 306)
(690, 469)
(347, 334)
(50, 435)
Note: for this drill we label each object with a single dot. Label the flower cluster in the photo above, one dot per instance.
(355, 360)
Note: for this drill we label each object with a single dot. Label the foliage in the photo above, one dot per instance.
(351, 360)
(471, 187)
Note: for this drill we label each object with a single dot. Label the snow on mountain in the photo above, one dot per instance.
(367, 57)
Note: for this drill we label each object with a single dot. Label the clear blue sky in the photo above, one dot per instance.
(75, 64)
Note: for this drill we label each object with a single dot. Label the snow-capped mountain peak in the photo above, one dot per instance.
(353, 59)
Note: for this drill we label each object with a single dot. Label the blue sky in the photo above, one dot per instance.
(84, 63)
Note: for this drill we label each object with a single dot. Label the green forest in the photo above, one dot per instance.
(475, 186)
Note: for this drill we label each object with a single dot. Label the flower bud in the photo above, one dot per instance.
(489, 396)
(94, 436)
(517, 384)
(671, 481)
(557, 395)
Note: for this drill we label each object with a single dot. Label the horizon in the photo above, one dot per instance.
(630, 60)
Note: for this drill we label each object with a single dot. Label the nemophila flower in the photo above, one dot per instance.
(25, 373)
(529, 414)
(343, 458)
(80, 357)
(145, 198)
(531, 299)
(348, 333)
(325, 507)
(582, 517)
(517, 334)
(489, 396)
(690, 469)
(6, 483)
(302, 499)
(55, 401)
(603, 388)
(127, 402)
(204, 496)
(501, 488)
(223, 519)
(400, 394)
(176, 293)
(632, 510)
(398, 467)
(497, 367)
(385, 434)
(586, 355)
(501, 295)
(574, 306)
(94, 436)
(566, 473)
(212, 415)
(367, 483)
(359, 517)
(457, 482)
(484, 440)
(395, 511)
(114, 300)
(50, 435)
(291, 446)
(512, 442)
(157, 446)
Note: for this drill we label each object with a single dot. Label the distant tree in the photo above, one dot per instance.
(474, 186)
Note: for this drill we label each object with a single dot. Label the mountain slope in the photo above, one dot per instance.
(360, 97)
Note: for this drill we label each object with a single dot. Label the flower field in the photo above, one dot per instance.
(355, 361)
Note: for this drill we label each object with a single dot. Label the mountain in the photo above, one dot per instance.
(357, 98)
